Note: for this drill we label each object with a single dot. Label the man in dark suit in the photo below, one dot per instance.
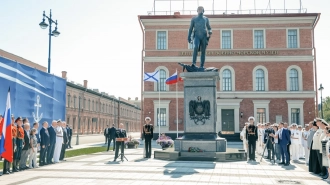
(44, 143)
(112, 137)
(65, 141)
(120, 133)
(69, 132)
(52, 141)
(284, 140)
(105, 133)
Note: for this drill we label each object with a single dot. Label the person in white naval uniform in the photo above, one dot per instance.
(305, 136)
(295, 135)
(59, 142)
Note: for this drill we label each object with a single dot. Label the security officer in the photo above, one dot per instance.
(148, 132)
(252, 137)
(269, 141)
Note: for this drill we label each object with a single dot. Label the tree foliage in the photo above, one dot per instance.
(326, 109)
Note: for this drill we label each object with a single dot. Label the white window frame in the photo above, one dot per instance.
(254, 77)
(287, 37)
(300, 77)
(296, 104)
(163, 104)
(261, 104)
(167, 75)
(232, 77)
(258, 29)
(231, 37)
(156, 40)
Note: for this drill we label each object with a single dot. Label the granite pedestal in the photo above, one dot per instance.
(200, 114)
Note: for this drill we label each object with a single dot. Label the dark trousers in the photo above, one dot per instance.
(69, 144)
(17, 154)
(147, 144)
(285, 154)
(63, 151)
(252, 149)
(270, 148)
(199, 42)
(42, 157)
(323, 169)
(288, 149)
(6, 166)
(50, 153)
(106, 139)
(121, 145)
(109, 142)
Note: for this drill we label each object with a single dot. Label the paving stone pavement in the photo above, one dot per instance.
(99, 169)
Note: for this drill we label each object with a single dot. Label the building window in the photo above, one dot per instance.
(74, 102)
(295, 116)
(161, 40)
(69, 100)
(226, 80)
(261, 115)
(293, 38)
(161, 117)
(93, 108)
(162, 79)
(84, 107)
(294, 84)
(226, 39)
(259, 39)
(89, 104)
(260, 80)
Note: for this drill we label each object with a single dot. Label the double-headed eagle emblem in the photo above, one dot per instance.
(199, 110)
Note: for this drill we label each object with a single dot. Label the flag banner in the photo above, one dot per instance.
(36, 95)
(173, 79)
(151, 77)
(6, 143)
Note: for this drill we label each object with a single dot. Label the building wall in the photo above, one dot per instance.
(276, 59)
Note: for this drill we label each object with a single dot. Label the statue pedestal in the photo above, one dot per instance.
(200, 114)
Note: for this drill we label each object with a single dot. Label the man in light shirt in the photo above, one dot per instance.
(59, 141)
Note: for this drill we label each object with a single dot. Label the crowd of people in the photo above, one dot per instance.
(283, 143)
(50, 141)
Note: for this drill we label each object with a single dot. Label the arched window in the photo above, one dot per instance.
(260, 80)
(226, 80)
(294, 83)
(162, 79)
(69, 100)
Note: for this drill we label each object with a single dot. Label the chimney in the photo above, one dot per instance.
(136, 98)
(64, 74)
(129, 98)
(85, 83)
(176, 14)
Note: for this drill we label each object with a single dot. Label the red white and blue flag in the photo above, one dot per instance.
(6, 143)
(173, 79)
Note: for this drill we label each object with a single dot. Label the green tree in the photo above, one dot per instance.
(326, 108)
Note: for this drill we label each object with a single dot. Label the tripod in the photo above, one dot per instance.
(264, 149)
(122, 152)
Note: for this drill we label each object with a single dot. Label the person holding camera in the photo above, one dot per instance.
(269, 141)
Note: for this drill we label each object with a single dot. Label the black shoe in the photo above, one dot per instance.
(287, 164)
(281, 163)
(325, 176)
(5, 173)
(321, 174)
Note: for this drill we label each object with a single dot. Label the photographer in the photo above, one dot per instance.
(269, 141)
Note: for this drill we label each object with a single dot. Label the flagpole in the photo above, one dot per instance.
(176, 94)
(158, 108)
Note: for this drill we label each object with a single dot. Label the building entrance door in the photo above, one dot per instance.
(228, 121)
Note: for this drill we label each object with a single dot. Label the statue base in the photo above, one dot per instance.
(193, 68)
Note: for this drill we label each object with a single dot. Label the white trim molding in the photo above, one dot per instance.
(300, 77)
(167, 75)
(231, 37)
(156, 40)
(238, 94)
(264, 34)
(228, 104)
(161, 104)
(261, 104)
(299, 104)
(226, 59)
(287, 37)
(232, 77)
(254, 77)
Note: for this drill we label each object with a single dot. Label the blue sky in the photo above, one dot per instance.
(101, 40)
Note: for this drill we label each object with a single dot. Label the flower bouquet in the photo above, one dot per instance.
(165, 141)
(195, 149)
(132, 143)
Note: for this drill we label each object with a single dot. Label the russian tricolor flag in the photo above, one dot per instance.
(6, 143)
(173, 79)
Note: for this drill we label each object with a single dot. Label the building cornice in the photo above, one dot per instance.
(238, 94)
(235, 59)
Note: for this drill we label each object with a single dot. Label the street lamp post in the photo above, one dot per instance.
(51, 33)
(321, 89)
(77, 140)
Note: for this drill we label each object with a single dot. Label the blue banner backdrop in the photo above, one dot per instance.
(35, 94)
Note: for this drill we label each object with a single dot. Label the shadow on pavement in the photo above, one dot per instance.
(141, 160)
(185, 168)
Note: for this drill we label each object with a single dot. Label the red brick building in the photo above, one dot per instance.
(267, 67)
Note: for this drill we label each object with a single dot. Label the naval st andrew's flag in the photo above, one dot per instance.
(151, 77)
(173, 79)
(6, 145)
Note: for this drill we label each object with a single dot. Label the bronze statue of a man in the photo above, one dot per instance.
(201, 29)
